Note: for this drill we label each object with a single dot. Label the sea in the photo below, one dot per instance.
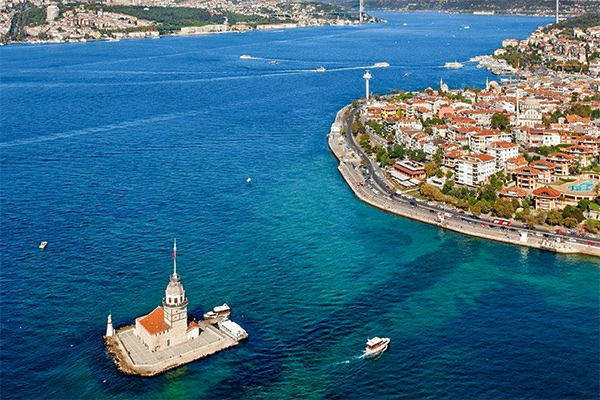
(111, 150)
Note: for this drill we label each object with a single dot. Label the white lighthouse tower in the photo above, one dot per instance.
(109, 327)
(367, 76)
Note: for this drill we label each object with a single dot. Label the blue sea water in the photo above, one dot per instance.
(110, 150)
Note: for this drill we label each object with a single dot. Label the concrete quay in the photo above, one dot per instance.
(350, 158)
(134, 358)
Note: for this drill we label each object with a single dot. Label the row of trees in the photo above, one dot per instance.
(484, 200)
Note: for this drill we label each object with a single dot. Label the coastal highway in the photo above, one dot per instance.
(369, 184)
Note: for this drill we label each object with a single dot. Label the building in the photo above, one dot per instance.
(52, 12)
(527, 177)
(474, 169)
(546, 198)
(513, 163)
(167, 325)
(531, 113)
(478, 142)
(502, 152)
(562, 163)
(411, 169)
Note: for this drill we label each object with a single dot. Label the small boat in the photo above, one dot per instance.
(376, 346)
(454, 65)
(466, 27)
(320, 69)
(43, 245)
(245, 57)
(248, 180)
(272, 62)
(406, 74)
(218, 312)
(381, 65)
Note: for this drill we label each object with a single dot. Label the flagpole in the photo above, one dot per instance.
(174, 256)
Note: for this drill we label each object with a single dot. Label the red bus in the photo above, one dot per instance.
(502, 221)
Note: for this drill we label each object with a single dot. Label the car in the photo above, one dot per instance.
(538, 234)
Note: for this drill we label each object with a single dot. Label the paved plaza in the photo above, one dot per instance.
(210, 341)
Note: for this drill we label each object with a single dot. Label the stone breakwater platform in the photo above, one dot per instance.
(350, 161)
(134, 358)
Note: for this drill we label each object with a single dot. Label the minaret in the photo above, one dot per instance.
(109, 327)
(367, 77)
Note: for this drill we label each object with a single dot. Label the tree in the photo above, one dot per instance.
(431, 192)
(438, 156)
(475, 209)
(504, 209)
(591, 225)
(484, 205)
(570, 222)
(430, 169)
(450, 173)
(500, 121)
(554, 217)
(573, 212)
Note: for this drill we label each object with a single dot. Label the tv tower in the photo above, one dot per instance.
(367, 76)
(557, 19)
(361, 10)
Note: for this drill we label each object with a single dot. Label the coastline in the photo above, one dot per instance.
(350, 157)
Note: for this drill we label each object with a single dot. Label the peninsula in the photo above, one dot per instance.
(166, 338)
(517, 163)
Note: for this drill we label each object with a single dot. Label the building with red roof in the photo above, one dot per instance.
(546, 198)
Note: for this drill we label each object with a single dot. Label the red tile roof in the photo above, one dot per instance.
(154, 322)
(546, 192)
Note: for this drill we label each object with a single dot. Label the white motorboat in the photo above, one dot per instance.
(43, 245)
(248, 180)
(376, 346)
(454, 65)
(381, 65)
(272, 62)
(320, 69)
(245, 57)
(223, 311)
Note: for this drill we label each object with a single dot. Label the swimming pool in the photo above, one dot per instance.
(585, 186)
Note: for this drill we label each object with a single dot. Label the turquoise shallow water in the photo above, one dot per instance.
(110, 150)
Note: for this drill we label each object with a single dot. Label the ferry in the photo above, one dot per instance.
(223, 311)
(232, 329)
(43, 245)
(320, 69)
(376, 346)
(454, 64)
(380, 65)
(245, 57)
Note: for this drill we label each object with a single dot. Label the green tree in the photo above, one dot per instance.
(430, 169)
(573, 212)
(431, 192)
(500, 121)
(592, 225)
(503, 208)
(554, 217)
(570, 222)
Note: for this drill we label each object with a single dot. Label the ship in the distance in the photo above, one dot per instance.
(454, 65)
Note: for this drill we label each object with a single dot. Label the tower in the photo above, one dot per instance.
(557, 18)
(175, 304)
(361, 10)
(367, 76)
(109, 327)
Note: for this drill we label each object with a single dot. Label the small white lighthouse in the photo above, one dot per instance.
(367, 77)
(109, 327)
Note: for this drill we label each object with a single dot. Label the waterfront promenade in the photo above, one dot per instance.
(369, 184)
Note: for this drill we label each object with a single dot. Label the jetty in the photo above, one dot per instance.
(166, 338)
(371, 186)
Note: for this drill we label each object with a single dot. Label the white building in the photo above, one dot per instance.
(530, 113)
(502, 151)
(473, 169)
(479, 141)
